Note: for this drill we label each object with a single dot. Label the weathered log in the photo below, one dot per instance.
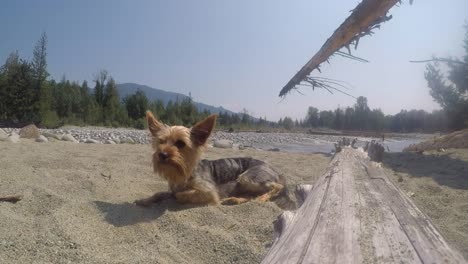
(301, 192)
(355, 214)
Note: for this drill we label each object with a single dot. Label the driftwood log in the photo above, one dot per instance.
(355, 214)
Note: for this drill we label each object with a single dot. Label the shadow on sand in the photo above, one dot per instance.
(125, 214)
(442, 168)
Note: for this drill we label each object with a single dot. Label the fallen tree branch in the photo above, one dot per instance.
(11, 199)
(446, 60)
(366, 17)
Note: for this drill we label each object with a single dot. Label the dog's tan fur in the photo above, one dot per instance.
(177, 156)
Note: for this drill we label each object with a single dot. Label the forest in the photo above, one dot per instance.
(29, 95)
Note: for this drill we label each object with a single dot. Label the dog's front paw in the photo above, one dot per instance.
(234, 201)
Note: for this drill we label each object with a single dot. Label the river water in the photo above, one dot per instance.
(391, 145)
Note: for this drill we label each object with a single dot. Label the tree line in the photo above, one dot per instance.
(27, 94)
(449, 88)
(361, 117)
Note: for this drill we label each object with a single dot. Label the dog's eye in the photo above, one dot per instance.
(179, 144)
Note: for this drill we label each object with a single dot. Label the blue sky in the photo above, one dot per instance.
(237, 54)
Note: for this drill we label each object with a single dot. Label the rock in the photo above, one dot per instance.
(3, 135)
(274, 149)
(91, 141)
(222, 143)
(109, 142)
(51, 135)
(116, 140)
(14, 138)
(127, 140)
(70, 138)
(400, 178)
(41, 138)
(29, 131)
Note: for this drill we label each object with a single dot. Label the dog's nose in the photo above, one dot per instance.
(163, 156)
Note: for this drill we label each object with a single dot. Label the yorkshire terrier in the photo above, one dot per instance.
(177, 159)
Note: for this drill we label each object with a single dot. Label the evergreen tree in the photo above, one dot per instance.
(312, 117)
(111, 102)
(452, 96)
(136, 105)
(18, 94)
(361, 113)
(40, 74)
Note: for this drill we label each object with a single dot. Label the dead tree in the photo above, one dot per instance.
(355, 214)
(364, 19)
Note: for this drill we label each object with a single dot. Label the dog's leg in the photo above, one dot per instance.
(197, 197)
(234, 200)
(156, 198)
(275, 190)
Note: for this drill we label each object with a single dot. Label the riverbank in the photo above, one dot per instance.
(77, 204)
(289, 142)
(77, 207)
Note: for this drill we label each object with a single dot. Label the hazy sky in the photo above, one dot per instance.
(237, 54)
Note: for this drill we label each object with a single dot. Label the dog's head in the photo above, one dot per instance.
(178, 148)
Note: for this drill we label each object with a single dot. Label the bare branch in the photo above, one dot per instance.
(446, 60)
(367, 16)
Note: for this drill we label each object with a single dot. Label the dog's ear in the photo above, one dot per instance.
(153, 124)
(202, 130)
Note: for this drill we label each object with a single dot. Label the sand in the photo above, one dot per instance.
(457, 139)
(77, 204)
(77, 208)
(438, 184)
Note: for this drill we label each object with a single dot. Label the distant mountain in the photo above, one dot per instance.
(158, 94)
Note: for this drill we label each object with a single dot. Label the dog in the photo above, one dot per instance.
(230, 181)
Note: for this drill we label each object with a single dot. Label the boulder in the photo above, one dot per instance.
(51, 135)
(3, 135)
(91, 141)
(69, 137)
(109, 142)
(127, 140)
(29, 131)
(14, 138)
(41, 138)
(222, 143)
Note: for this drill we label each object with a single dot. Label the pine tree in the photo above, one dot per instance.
(111, 102)
(452, 96)
(40, 74)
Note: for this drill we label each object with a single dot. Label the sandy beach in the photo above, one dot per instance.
(77, 207)
(77, 204)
